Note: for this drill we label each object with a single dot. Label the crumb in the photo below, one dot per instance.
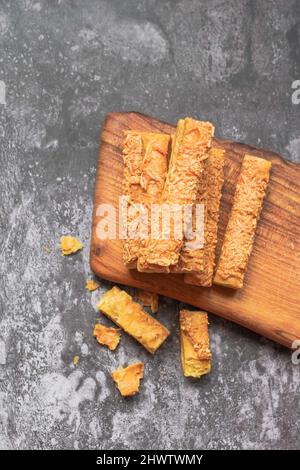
(109, 337)
(148, 299)
(75, 360)
(128, 379)
(92, 285)
(69, 245)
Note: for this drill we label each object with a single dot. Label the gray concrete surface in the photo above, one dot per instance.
(64, 65)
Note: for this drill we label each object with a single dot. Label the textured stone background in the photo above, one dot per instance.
(65, 64)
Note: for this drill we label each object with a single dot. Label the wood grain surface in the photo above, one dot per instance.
(269, 302)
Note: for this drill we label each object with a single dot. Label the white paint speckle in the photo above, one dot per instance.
(78, 338)
(2, 352)
(37, 6)
(294, 149)
(102, 381)
(4, 24)
(2, 93)
(84, 349)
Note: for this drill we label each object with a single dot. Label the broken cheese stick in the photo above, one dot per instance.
(239, 236)
(127, 379)
(189, 151)
(214, 179)
(194, 341)
(145, 158)
(148, 299)
(109, 337)
(129, 315)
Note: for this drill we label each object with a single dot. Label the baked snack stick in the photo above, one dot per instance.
(189, 151)
(129, 315)
(145, 156)
(239, 236)
(191, 259)
(211, 197)
(194, 341)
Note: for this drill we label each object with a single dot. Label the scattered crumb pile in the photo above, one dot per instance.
(128, 315)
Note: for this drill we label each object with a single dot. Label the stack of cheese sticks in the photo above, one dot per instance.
(183, 170)
(176, 172)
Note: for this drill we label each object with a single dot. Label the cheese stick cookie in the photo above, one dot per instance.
(194, 341)
(117, 305)
(239, 236)
(189, 151)
(210, 197)
(190, 257)
(145, 158)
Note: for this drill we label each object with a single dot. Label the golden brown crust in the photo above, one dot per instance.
(191, 259)
(211, 197)
(127, 379)
(133, 158)
(189, 151)
(145, 158)
(155, 165)
(195, 325)
(109, 337)
(239, 236)
(129, 315)
(195, 351)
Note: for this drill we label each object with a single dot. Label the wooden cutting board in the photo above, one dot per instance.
(269, 302)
